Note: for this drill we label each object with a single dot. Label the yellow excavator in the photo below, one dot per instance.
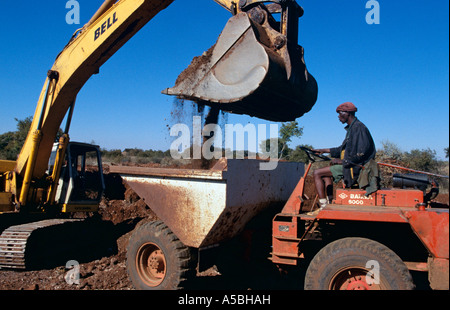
(256, 67)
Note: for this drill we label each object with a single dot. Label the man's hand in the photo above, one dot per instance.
(336, 161)
(321, 151)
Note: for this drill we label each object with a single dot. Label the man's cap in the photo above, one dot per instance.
(347, 107)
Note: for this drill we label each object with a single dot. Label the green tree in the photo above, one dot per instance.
(423, 160)
(11, 142)
(299, 155)
(391, 150)
(287, 132)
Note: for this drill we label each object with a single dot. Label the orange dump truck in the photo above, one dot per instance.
(356, 242)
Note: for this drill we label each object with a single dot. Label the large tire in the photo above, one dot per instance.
(348, 264)
(157, 260)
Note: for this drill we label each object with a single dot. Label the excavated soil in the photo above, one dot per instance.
(101, 257)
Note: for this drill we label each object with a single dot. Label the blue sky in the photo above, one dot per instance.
(397, 72)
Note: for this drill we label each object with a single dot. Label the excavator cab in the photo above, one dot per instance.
(81, 183)
(256, 67)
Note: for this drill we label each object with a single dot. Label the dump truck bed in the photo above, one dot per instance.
(206, 207)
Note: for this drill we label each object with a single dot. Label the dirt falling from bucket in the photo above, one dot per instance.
(184, 111)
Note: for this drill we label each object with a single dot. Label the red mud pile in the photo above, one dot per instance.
(104, 268)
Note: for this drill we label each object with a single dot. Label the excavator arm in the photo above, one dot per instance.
(109, 29)
(255, 68)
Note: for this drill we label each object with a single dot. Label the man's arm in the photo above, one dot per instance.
(321, 151)
(334, 152)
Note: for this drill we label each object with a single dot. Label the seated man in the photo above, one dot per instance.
(356, 150)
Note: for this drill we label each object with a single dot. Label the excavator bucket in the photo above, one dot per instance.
(253, 70)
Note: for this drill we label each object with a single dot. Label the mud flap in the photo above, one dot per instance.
(241, 75)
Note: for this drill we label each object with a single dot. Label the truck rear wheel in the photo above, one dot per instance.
(157, 260)
(357, 264)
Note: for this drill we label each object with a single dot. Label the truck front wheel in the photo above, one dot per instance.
(157, 260)
(357, 264)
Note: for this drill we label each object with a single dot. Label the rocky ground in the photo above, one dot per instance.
(106, 269)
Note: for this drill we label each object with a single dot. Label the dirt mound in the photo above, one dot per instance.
(101, 254)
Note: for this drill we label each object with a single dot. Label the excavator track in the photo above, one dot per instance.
(13, 241)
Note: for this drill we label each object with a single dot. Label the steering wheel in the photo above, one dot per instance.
(312, 155)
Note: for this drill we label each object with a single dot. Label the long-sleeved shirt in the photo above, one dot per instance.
(359, 149)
